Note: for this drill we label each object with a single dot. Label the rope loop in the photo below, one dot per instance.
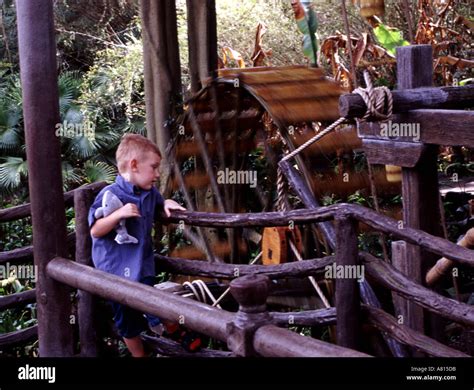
(379, 101)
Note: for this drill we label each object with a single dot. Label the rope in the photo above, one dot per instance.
(376, 99)
(311, 278)
(203, 293)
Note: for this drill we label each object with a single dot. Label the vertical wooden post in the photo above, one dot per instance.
(419, 184)
(163, 90)
(202, 40)
(251, 292)
(347, 288)
(399, 261)
(83, 199)
(37, 47)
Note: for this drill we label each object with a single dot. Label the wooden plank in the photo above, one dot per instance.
(403, 154)
(387, 276)
(353, 106)
(37, 48)
(386, 323)
(228, 271)
(320, 317)
(434, 244)
(89, 341)
(19, 337)
(25, 254)
(405, 313)
(23, 211)
(270, 341)
(419, 184)
(437, 127)
(347, 289)
(17, 299)
(146, 299)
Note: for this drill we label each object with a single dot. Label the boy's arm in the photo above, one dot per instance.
(105, 225)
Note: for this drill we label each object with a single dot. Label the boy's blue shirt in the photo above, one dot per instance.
(131, 261)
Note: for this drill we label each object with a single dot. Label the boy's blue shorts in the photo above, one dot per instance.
(130, 322)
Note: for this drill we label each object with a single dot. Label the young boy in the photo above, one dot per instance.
(138, 161)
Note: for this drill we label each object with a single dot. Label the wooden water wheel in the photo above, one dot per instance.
(239, 123)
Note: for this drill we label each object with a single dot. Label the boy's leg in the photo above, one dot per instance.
(135, 346)
(154, 323)
(130, 323)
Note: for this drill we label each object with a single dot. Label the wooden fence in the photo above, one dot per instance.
(253, 330)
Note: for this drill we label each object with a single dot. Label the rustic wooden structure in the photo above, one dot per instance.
(416, 103)
(252, 330)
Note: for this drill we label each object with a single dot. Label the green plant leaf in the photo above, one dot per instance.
(96, 171)
(389, 38)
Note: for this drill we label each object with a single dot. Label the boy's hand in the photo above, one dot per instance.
(170, 204)
(130, 210)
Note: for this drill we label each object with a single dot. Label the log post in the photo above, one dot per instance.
(37, 47)
(202, 40)
(163, 90)
(419, 184)
(251, 293)
(347, 287)
(83, 199)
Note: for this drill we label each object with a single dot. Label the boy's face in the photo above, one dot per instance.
(145, 170)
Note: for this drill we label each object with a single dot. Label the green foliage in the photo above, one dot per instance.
(96, 171)
(389, 38)
(308, 26)
(15, 234)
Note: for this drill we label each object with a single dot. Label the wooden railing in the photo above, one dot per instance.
(253, 330)
(25, 255)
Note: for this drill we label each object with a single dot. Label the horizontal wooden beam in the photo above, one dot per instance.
(229, 271)
(377, 221)
(437, 127)
(305, 318)
(18, 337)
(25, 254)
(387, 276)
(397, 229)
(141, 297)
(402, 154)
(268, 340)
(402, 333)
(17, 299)
(271, 341)
(353, 106)
(23, 211)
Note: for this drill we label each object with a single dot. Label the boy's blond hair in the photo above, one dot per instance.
(133, 146)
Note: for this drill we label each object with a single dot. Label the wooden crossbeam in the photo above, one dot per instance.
(353, 106)
(437, 127)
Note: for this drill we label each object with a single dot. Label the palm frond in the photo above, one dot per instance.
(12, 171)
(69, 87)
(70, 175)
(96, 171)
